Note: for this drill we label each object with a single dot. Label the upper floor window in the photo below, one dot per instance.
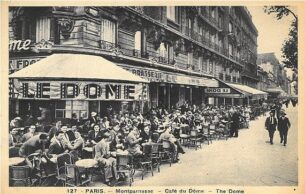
(220, 18)
(137, 41)
(213, 12)
(171, 12)
(162, 50)
(230, 27)
(189, 58)
(230, 50)
(43, 32)
(108, 30)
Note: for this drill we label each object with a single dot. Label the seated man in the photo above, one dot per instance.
(35, 143)
(105, 159)
(29, 134)
(132, 142)
(95, 135)
(14, 138)
(175, 145)
(56, 147)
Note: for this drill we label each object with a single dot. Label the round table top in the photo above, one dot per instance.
(86, 163)
(15, 161)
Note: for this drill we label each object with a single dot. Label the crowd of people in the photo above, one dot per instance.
(129, 132)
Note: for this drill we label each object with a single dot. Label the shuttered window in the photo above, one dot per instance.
(108, 30)
(43, 29)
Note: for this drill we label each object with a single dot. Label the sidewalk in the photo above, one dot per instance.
(247, 160)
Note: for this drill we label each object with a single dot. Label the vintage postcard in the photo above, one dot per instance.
(152, 97)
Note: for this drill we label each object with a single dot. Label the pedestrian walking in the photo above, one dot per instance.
(235, 124)
(270, 125)
(283, 126)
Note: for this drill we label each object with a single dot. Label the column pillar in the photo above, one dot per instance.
(169, 97)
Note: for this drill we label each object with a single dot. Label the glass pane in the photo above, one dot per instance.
(60, 104)
(60, 114)
(68, 114)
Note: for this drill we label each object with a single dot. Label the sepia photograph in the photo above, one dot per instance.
(149, 96)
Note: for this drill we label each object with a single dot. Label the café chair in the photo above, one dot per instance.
(166, 153)
(125, 166)
(145, 161)
(20, 174)
(155, 155)
(62, 160)
(75, 178)
(194, 140)
(206, 136)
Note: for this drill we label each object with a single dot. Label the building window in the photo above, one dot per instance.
(108, 31)
(220, 18)
(43, 25)
(213, 12)
(230, 27)
(170, 53)
(171, 12)
(189, 58)
(137, 43)
(230, 50)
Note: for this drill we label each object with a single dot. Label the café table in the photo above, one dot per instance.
(15, 161)
(88, 165)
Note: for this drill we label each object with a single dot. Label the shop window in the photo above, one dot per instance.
(171, 13)
(65, 109)
(108, 31)
(43, 25)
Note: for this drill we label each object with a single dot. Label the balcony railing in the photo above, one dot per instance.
(139, 9)
(136, 53)
(104, 45)
(195, 35)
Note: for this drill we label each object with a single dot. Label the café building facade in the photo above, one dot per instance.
(167, 55)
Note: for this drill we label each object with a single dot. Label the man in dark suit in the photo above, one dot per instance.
(283, 126)
(56, 147)
(95, 135)
(235, 124)
(270, 125)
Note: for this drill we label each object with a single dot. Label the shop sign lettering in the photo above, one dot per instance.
(83, 90)
(217, 90)
(17, 64)
(19, 45)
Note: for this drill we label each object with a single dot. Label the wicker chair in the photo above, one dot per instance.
(125, 165)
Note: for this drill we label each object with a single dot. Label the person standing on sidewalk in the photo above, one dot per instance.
(270, 125)
(283, 126)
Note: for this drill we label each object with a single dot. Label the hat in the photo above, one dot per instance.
(93, 114)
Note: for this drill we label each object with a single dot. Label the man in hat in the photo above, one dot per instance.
(270, 125)
(283, 126)
(93, 119)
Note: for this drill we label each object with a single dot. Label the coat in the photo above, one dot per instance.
(56, 148)
(283, 124)
(102, 150)
(269, 126)
(92, 136)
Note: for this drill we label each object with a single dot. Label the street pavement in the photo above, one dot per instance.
(248, 160)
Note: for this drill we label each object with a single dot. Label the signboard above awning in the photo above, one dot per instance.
(248, 91)
(76, 67)
(155, 75)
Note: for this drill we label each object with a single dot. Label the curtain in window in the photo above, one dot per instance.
(43, 28)
(108, 30)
